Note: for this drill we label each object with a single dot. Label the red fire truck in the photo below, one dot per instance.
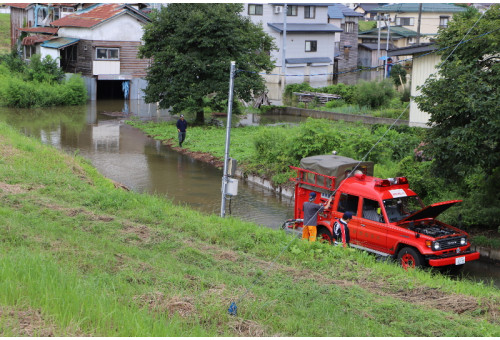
(389, 219)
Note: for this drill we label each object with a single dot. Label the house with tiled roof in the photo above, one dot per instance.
(309, 45)
(433, 17)
(24, 16)
(101, 42)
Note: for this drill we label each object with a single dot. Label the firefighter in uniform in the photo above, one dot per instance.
(311, 211)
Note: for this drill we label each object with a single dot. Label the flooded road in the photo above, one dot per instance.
(124, 154)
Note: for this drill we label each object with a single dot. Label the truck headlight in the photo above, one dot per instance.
(436, 246)
(463, 241)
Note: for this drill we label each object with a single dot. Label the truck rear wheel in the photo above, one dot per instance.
(409, 258)
(324, 235)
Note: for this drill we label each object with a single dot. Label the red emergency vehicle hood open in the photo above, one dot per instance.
(431, 211)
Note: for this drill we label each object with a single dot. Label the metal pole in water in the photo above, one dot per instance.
(228, 138)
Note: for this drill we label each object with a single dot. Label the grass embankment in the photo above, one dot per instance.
(4, 33)
(81, 258)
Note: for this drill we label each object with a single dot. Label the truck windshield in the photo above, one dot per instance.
(399, 208)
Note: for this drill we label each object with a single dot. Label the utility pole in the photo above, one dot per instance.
(378, 42)
(228, 139)
(283, 56)
(388, 25)
(419, 20)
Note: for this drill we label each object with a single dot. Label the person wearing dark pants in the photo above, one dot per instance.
(181, 128)
(341, 230)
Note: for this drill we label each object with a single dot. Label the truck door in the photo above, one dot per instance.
(372, 231)
(350, 203)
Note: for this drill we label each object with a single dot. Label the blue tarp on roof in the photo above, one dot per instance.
(60, 42)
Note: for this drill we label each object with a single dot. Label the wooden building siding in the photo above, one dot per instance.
(17, 20)
(130, 64)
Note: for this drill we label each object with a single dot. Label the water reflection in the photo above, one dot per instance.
(97, 131)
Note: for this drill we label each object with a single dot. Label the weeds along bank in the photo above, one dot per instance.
(41, 83)
(82, 258)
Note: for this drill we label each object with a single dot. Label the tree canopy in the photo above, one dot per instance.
(191, 46)
(463, 97)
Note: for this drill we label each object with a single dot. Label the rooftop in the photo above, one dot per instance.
(338, 11)
(97, 14)
(395, 30)
(413, 8)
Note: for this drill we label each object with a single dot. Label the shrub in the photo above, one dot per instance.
(45, 70)
(374, 94)
(19, 93)
(343, 90)
(335, 103)
(398, 73)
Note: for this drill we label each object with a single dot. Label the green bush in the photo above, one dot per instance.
(374, 94)
(345, 91)
(22, 94)
(13, 62)
(335, 103)
(44, 70)
(398, 73)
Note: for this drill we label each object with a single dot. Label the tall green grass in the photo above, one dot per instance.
(98, 261)
(4, 33)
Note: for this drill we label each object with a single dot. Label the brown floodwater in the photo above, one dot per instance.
(126, 155)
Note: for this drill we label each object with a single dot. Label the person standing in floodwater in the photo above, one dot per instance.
(181, 128)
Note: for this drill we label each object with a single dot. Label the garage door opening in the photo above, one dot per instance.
(111, 89)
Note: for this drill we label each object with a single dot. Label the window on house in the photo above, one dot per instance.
(107, 53)
(291, 10)
(309, 12)
(311, 45)
(443, 21)
(56, 13)
(29, 51)
(404, 21)
(255, 9)
(349, 27)
(411, 40)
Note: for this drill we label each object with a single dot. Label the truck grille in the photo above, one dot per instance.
(448, 243)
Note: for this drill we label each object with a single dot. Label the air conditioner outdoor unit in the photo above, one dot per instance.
(278, 9)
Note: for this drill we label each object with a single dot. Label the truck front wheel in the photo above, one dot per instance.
(324, 235)
(409, 258)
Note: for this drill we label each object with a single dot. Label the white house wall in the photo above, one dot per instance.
(123, 28)
(295, 48)
(53, 52)
(422, 68)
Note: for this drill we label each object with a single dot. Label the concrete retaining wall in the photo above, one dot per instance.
(295, 111)
(491, 254)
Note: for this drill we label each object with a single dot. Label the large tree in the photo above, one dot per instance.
(463, 99)
(191, 46)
